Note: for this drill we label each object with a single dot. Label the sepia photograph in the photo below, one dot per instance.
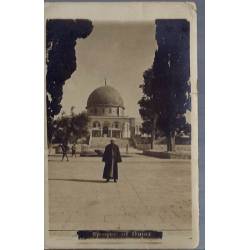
(121, 161)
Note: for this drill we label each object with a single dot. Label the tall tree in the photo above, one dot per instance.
(61, 36)
(149, 105)
(170, 82)
(172, 69)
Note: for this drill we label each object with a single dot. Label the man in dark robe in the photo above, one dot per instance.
(111, 157)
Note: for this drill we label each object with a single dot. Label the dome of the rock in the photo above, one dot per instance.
(105, 96)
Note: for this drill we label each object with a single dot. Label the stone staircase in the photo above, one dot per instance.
(101, 142)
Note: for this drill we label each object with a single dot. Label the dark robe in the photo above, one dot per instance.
(111, 157)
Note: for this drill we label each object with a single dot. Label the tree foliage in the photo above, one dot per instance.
(146, 103)
(70, 128)
(166, 85)
(61, 36)
(149, 105)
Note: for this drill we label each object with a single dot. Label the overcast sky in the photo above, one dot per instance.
(120, 52)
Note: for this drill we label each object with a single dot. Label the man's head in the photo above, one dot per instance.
(112, 141)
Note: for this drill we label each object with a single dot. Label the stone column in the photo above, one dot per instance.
(90, 136)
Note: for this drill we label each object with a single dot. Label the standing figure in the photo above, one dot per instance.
(64, 148)
(111, 157)
(73, 149)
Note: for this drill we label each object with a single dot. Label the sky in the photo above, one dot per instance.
(119, 52)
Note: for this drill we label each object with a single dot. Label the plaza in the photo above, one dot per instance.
(151, 193)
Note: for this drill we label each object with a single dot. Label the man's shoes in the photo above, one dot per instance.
(107, 180)
(115, 180)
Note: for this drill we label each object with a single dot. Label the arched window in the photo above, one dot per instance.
(96, 124)
(115, 125)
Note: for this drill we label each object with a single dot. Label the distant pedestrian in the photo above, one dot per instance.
(111, 157)
(73, 150)
(127, 149)
(64, 148)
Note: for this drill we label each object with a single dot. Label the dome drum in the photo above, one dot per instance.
(106, 111)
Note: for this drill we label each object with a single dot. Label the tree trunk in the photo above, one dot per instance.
(153, 131)
(49, 148)
(171, 142)
(152, 140)
(49, 132)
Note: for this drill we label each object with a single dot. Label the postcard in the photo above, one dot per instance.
(121, 121)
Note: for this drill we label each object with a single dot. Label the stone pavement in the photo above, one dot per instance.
(151, 193)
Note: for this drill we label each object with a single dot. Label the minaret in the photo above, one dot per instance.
(105, 82)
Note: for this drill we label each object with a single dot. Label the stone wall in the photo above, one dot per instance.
(168, 155)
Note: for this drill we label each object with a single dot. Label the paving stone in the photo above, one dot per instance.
(151, 193)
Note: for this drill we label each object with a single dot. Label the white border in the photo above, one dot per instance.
(138, 12)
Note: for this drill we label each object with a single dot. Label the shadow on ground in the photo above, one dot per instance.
(79, 180)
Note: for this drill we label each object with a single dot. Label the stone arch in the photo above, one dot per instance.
(96, 124)
(105, 128)
(137, 129)
(106, 124)
(126, 129)
(116, 124)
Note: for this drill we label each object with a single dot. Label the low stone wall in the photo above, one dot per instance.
(168, 155)
(56, 149)
(143, 146)
(101, 142)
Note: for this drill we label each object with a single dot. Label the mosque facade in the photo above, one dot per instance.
(107, 117)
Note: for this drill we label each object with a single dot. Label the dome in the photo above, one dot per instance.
(105, 96)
